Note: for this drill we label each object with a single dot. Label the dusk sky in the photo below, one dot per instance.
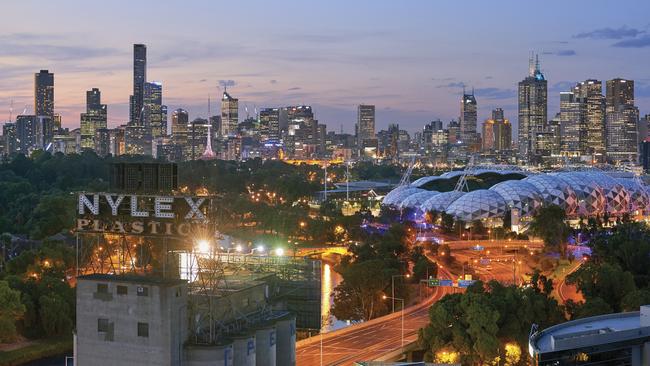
(409, 58)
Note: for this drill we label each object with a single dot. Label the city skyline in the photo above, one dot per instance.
(412, 71)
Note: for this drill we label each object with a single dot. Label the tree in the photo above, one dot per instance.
(55, 315)
(549, 225)
(606, 282)
(11, 310)
(359, 296)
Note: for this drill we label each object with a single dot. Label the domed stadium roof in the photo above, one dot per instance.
(478, 205)
(591, 199)
(441, 201)
(400, 195)
(519, 195)
(616, 196)
(417, 199)
(639, 198)
(424, 180)
(555, 191)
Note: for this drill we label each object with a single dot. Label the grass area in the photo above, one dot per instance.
(35, 351)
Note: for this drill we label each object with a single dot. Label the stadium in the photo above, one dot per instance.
(491, 194)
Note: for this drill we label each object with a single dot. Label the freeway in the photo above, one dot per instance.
(368, 340)
(569, 292)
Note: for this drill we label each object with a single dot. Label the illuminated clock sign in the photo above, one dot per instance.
(140, 215)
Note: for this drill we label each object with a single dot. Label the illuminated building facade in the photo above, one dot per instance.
(93, 119)
(229, 115)
(533, 101)
(44, 94)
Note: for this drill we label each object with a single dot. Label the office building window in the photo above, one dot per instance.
(143, 329)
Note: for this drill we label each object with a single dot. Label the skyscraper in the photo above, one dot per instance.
(468, 119)
(622, 121)
(366, 123)
(497, 132)
(573, 130)
(95, 118)
(139, 80)
(533, 101)
(44, 94)
(229, 114)
(152, 116)
(619, 92)
(589, 93)
(270, 121)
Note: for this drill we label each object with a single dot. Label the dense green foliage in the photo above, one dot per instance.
(478, 323)
(36, 351)
(617, 276)
(549, 224)
(12, 310)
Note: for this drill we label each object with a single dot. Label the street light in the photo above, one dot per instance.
(392, 287)
(402, 312)
(203, 246)
(279, 252)
(259, 249)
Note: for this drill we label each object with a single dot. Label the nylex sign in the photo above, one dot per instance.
(139, 215)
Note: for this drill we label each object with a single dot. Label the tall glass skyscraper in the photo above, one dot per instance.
(533, 104)
(621, 121)
(139, 80)
(152, 116)
(44, 94)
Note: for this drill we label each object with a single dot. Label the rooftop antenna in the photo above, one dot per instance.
(531, 66)
(472, 90)
(537, 69)
(209, 112)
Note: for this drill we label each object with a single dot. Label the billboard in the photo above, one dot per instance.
(154, 215)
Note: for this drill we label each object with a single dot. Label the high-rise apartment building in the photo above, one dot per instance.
(366, 123)
(533, 103)
(229, 115)
(44, 94)
(95, 118)
(139, 79)
(468, 119)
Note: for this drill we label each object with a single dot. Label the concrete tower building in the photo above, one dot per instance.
(589, 93)
(533, 103)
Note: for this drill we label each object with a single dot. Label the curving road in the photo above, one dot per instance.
(368, 340)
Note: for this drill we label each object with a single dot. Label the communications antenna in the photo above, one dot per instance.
(11, 110)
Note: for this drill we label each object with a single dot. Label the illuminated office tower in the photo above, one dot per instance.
(468, 119)
(95, 118)
(497, 132)
(573, 131)
(153, 113)
(229, 115)
(622, 121)
(366, 123)
(533, 101)
(589, 93)
(270, 122)
(44, 94)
